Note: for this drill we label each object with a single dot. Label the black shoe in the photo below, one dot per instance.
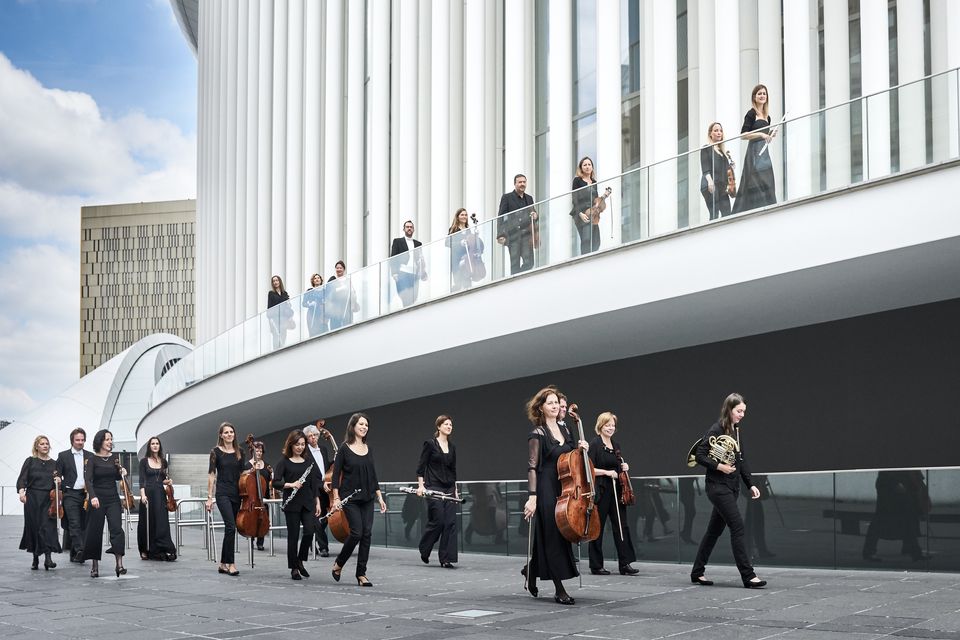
(532, 588)
(700, 580)
(222, 570)
(363, 582)
(170, 557)
(447, 565)
(335, 572)
(233, 573)
(425, 559)
(260, 547)
(36, 563)
(599, 572)
(750, 584)
(303, 571)
(627, 570)
(49, 564)
(295, 575)
(324, 553)
(564, 599)
(523, 571)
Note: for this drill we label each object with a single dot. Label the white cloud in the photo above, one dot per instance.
(60, 153)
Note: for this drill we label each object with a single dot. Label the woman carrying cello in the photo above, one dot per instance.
(607, 463)
(226, 465)
(551, 555)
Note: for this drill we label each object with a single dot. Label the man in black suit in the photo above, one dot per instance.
(516, 222)
(322, 462)
(408, 270)
(70, 466)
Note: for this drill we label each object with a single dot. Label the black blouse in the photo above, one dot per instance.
(228, 469)
(352, 471)
(290, 471)
(583, 198)
(101, 475)
(712, 474)
(150, 477)
(37, 474)
(438, 469)
(605, 458)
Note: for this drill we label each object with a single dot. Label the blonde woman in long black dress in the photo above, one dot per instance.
(757, 184)
(552, 555)
(33, 485)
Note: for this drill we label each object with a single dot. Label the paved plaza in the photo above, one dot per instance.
(483, 599)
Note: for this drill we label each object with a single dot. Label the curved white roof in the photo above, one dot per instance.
(187, 13)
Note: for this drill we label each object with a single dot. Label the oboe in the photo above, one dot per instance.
(295, 489)
(433, 494)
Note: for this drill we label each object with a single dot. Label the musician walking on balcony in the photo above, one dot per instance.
(437, 471)
(722, 484)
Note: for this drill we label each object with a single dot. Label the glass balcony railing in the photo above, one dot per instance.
(890, 519)
(902, 129)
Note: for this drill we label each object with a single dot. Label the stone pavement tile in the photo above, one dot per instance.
(945, 621)
(812, 634)
(927, 633)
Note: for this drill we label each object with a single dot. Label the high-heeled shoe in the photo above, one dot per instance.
(302, 571)
(336, 572)
(363, 582)
(95, 570)
(36, 563)
(295, 575)
(564, 599)
(121, 570)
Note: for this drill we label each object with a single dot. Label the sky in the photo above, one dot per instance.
(98, 103)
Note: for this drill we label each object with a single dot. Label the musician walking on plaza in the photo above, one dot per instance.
(37, 477)
(437, 471)
(223, 486)
(101, 476)
(551, 556)
(353, 469)
(722, 483)
(70, 465)
(323, 462)
(296, 475)
(607, 463)
(153, 521)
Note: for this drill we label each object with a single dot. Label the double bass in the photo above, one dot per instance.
(336, 518)
(253, 519)
(578, 518)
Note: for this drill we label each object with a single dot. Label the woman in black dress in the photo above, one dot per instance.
(33, 485)
(457, 243)
(282, 317)
(722, 483)
(714, 161)
(552, 556)
(313, 301)
(301, 499)
(153, 523)
(757, 185)
(101, 476)
(584, 197)
(226, 465)
(353, 468)
(437, 471)
(607, 463)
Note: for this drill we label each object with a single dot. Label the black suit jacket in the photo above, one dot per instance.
(399, 246)
(513, 217)
(67, 469)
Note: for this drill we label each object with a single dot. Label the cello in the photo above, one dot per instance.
(577, 516)
(253, 519)
(336, 518)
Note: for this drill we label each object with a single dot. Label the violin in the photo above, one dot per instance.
(599, 205)
(127, 499)
(577, 516)
(253, 519)
(168, 490)
(626, 488)
(56, 498)
(471, 266)
(731, 176)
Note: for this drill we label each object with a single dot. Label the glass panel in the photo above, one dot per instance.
(940, 516)
(585, 57)
(235, 346)
(488, 511)
(340, 302)
(251, 338)
(366, 286)
(222, 351)
(312, 314)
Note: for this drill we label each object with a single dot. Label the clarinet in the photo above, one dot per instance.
(295, 489)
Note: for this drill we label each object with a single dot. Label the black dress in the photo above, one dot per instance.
(757, 186)
(552, 554)
(715, 165)
(610, 509)
(341, 302)
(439, 472)
(39, 529)
(281, 319)
(101, 476)
(153, 523)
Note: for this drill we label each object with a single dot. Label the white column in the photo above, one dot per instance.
(695, 209)
(293, 244)
(728, 104)
(240, 164)
(422, 213)
(265, 149)
(440, 210)
(560, 137)
(609, 152)
(518, 107)
(771, 62)
(333, 184)
(473, 85)
(200, 297)
(749, 29)
(278, 217)
(354, 196)
(378, 137)
(404, 119)
(456, 129)
(252, 90)
(836, 69)
(945, 55)
(660, 115)
(223, 294)
(489, 96)
(313, 209)
(913, 112)
(875, 76)
(798, 137)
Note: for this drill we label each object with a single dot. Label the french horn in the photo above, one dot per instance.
(723, 449)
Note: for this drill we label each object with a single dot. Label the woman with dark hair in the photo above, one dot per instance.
(281, 320)
(37, 478)
(457, 243)
(722, 483)
(757, 183)
(226, 465)
(341, 298)
(437, 471)
(353, 468)
(586, 203)
(552, 556)
(257, 462)
(313, 301)
(301, 500)
(101, 477)
(714, 161)
(607, 463)
(153, 523)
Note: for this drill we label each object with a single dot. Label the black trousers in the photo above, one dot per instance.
(589, 238)
(608, 508)
(360, 518)
(295, 519)
(442, 526)
(320, 526)
(93, 541)
(718, 202)
(76, 519)
(228, 507)
(725, 514)
(521, 249)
